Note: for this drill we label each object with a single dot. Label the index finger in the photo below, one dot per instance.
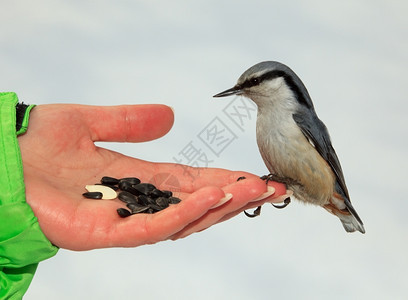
(190, 178)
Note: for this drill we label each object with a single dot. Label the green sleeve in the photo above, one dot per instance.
(22, 243)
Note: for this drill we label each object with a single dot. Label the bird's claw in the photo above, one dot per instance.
(256, 212)
(285, 203)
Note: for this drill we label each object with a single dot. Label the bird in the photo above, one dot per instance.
(294, 143)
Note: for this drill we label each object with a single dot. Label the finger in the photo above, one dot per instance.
(148, 229)
(127, 123)
(280, 190)
(243, 191)
(190, 179)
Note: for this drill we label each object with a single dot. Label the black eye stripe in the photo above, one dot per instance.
(267, 76)
(275, 74)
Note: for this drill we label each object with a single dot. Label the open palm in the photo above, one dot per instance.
(60, 158)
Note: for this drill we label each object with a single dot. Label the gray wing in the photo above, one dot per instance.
(316, 132)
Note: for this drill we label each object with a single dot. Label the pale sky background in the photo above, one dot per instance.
(351, 55)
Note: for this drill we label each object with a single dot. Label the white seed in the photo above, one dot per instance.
(107, 192)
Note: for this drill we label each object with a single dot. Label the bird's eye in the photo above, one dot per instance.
(254, 81)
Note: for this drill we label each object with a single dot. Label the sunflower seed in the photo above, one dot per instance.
(162, 202)
(167, 194)
(124, 184)
(127, 197)
(136, 208)
(107, 192)
(155, 207)
(131, 180)
(144, 188)
(143, 200)
(174, 200)
(106, 180)
(128, 187)
(123, 212)
(156, 193)
(93, 195)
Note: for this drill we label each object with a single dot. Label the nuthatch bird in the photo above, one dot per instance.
(294, 143)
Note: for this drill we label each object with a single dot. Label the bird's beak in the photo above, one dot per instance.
(236, 90)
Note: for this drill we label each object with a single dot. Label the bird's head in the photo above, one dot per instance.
(270, 81)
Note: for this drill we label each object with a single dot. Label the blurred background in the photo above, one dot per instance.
(351, 55)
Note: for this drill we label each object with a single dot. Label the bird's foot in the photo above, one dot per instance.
(256, 212)
(268, 178)
(280, 179)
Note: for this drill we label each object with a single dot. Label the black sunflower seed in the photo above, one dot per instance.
(128, 187)
(143, 200)
(93, 195)
(156, 193)
(144, 188)
(152, 200)
(123, 212)
(155, 207)
(167, 194)
(174, 200)
(131, 180)
(136, 208)
(124, 184)
(109, 180)
(127, 197)
(162, 202)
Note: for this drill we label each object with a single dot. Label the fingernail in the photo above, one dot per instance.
(225, 199)
(269, 192)
(282, 198)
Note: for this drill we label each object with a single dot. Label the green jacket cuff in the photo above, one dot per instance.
(22, 243)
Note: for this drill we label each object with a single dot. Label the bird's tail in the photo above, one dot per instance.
(342, 208)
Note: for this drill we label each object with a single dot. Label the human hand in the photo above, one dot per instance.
(60, 158)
